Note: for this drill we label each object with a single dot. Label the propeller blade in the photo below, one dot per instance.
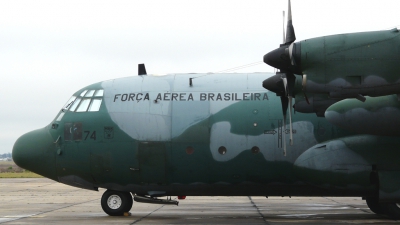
(291, 79)
(292, 61)
(284, 135)
(303, 84)
(290, 35)
(284, 101)
(286, 58)
(284, 38)
(275, 83)
(284, 79)
(290, 120)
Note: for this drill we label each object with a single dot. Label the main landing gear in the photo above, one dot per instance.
(392, 210)
(116, 203)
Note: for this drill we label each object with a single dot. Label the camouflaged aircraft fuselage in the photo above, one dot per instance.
(221, 135)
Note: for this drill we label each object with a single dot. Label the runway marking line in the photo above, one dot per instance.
(36, 214)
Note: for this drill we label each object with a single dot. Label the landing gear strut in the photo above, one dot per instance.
(116, 203)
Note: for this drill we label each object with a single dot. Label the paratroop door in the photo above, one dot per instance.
(152, 162)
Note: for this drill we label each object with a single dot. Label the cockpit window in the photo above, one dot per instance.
(83, 93)
(75, 104)
(87, 101)
(89, 93)
(99, 93)
(84, 105)
(95, 105)
(69, 103)
(60, 116)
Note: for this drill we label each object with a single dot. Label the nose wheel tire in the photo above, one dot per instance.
(392, 210)
(374, 206)
(116, 203)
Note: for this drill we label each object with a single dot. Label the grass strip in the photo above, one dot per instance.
(20, 175)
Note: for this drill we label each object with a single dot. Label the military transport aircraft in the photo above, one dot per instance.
(146, 137)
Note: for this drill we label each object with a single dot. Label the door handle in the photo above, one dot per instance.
(59, 136)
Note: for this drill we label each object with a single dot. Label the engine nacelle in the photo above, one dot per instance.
(317, 103)
(355, 164)
(377, 116)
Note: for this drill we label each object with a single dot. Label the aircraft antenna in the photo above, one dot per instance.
(240, 67)
(226, 71)
(141, 69)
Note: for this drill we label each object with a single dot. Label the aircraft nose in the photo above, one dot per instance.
(35, 151)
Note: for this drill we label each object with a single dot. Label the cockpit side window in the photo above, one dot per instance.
(76, 103)
(69, 103)
(77, 131)
(68, 131)
(73, 131)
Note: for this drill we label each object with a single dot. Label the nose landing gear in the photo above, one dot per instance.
(116, 203)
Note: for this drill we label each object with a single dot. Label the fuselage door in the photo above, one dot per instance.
(152, 162)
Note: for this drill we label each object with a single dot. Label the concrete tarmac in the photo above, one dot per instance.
(43, 201)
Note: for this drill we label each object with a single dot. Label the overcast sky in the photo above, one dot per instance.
(50, 49)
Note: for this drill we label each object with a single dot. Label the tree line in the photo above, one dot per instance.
(5, 155)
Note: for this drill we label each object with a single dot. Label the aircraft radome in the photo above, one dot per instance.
(145, 137)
